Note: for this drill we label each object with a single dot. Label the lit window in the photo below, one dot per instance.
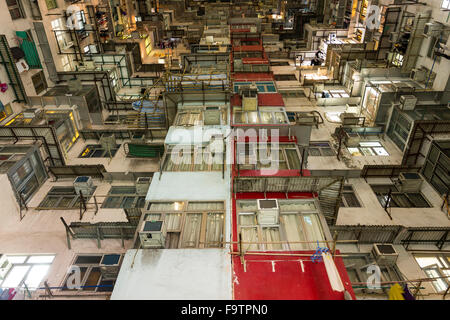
(445, 4)
(97, 151)
(436, 267)
(371, 148)
(26, 271)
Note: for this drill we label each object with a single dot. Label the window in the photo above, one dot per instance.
(397, 59)
(92, 277)
(251, 156)
(370, 148)
(62, 198)
(123, 197)
(193, 158)
(262, 86)
(51, 4)
(148, 45)
(349, 198)
(445, 4)
(285, 77)
(399, 199)
(357, 264)
(97, 151)
(66, 63)
(26, 271)
(320, 149)
(436, 166)
(299, 221)
(262, 116)
(5, 111)
(436, 266)
(190, 224)
(39, 82)
(15, 9)
(193, 117)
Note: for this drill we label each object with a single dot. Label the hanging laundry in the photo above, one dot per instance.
(396, 292)
(407, 294)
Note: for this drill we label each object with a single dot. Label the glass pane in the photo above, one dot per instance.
(173, 221)
(41, 259)
(294, 231)
(247, 219)
(381, 151)
(15, 276)
(92, 280)
(314, 152)
(293, 159)
(191, 232)
(36, 275)
(152, 217)
(351, 200)
(88, 259)
(272, 234)
(112, 202)
(327, 152)
(17, 259)
(166, 206)
(367, 151)
(123, 190)
(66, 202)
(198, 206)
(296, 205)
(249, 235)
(247, 205)
(127, 202)
(266, 117)
(214, 230)
(417, 200)
(313, 229)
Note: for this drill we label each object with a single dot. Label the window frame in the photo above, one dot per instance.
(315, 146)
(393, 271)
(123, 198)
(26, 263)
(283, 234)
(89, 268)
(344, 202)
(74, 204)
(39, 82)
(18, 6)
(255, 150)
(98, 147)
(381, 196)
(442, 258)
(184, 211)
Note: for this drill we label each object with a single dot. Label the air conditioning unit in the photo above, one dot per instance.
(153, 234)
(268, 211)
(142, 185)
(5, 266)
(408, 102)
(352, 140)
(249, 97)
(409, 182)
(31, 113)
(110, 265)
(419, 75)
(212, 116)
(432, 29)
(83, 184)
(384, 254)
